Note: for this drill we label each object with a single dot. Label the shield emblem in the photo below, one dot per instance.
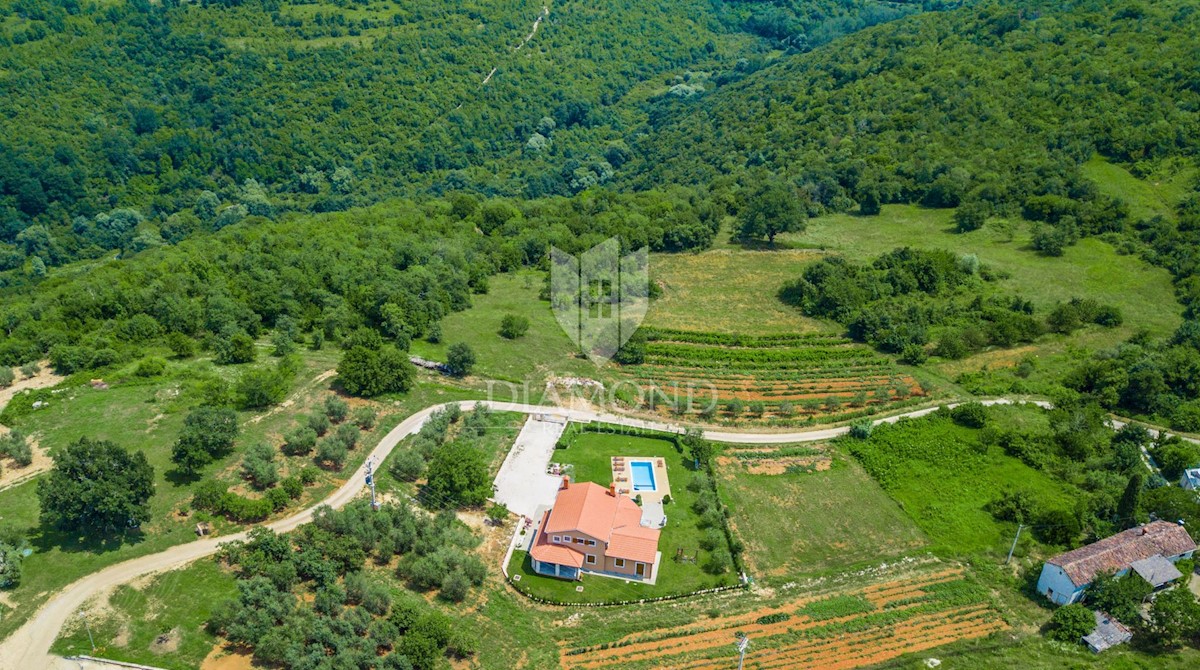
(600, 297)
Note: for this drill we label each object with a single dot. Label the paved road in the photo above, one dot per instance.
(29, 647)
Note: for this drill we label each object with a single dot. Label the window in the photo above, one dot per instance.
(591, 543)
(556, 539)
(579, 540)
(566, 538)
(619, 562)
(591, 559)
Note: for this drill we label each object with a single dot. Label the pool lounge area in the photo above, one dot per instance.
(644, 476)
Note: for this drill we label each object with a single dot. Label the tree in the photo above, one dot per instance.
(458, 476)
(258, 465)
(7, 376)
(513, 326)
(10, 566)
(372, 372)
(1121, 597)
(1071, 622)
(970, 414)
(332, 451)
(699, 449)
(300, 441)
(1174, 617)
(208, 433)
(772, 208)
(97, 487)
(497, 513)
(237, 348)
(1129, 509)
(407, 465)
(364, 418)
(460, 359)
(336, 409)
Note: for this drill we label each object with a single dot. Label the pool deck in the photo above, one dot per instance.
(622, 476)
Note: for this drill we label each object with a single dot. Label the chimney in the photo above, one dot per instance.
(1144, 531)
(566, 482)
(612, 489)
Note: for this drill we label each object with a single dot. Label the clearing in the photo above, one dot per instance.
(825, 512)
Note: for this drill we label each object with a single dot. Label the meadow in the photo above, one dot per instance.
(809, 508)
(943, 475)
(542, 351)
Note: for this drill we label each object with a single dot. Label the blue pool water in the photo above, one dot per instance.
(643, 475)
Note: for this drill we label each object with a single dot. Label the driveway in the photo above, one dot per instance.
(522, 484)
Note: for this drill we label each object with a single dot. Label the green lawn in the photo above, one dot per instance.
(1156, 195)
(729, 291)
(804, 522)
(591, 454)
(174, 605)
(943, 479)
(544, 350)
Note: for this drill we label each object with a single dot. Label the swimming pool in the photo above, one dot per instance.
(643, 475)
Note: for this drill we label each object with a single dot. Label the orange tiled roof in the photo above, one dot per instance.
(591, 509)
(547, 552)
(1118, 552)
(634, 543)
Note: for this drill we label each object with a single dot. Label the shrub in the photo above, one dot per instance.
(308, 475)
(7, 376)
(16, 446)
(348, 434)
(181, 345)
(150, 367)
(971, 415)
(513, 326)
(861, 429)
(460, 359)
(300, 441)
(258, 465)
(364, 418)
(407, 465)
(237, 348)
(318, 423)
(336, 409)
(332, 451)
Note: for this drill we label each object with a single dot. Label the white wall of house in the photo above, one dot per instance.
(1057, 586)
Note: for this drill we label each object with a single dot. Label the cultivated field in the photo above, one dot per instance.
(815, 376)
(851, 628)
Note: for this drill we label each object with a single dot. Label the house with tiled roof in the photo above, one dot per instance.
(1149, 549)
(594, 529)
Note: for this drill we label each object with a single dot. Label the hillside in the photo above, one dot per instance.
(986, 109)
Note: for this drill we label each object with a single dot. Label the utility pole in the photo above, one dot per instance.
(743, 642)
(371, 483)
(1013, 548)
(83, 616)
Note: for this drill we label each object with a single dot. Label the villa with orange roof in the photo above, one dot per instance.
(594, 529)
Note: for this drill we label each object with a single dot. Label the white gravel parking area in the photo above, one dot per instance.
(522, 484)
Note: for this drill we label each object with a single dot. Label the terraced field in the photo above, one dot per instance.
(851, 629)
(808, 375)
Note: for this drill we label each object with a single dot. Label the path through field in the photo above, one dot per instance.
(29, 646)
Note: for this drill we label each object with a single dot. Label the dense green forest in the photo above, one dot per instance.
(121, 115)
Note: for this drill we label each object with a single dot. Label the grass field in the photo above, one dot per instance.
(943, 477)
(542, 351)
(825, 512)
(1155, 196)
(1091, 268)
(730, 291)
(158, 621)
(590, 456)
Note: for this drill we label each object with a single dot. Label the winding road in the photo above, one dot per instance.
(29, 646)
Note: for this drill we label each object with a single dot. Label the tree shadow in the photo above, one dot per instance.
(179, 477)
(45, 538)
